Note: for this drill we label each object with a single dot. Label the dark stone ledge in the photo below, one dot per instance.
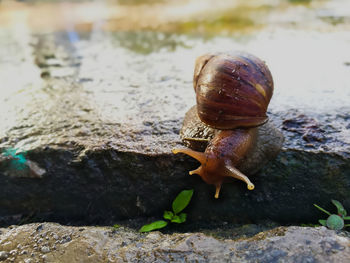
(103, 138)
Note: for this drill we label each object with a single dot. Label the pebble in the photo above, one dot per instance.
(3, 255)
(45, 249)
(7, 245)
(28, 260)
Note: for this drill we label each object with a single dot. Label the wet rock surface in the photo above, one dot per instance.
(55, 243)
(98, 123)
(93, 117)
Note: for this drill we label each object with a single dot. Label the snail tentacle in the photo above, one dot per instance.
(232, 171)
(217, 190)
(197, 171)
(199, 156)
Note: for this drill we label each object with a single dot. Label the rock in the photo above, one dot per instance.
(102, 244)
(45, 249)
(3, 255)
(99, 122)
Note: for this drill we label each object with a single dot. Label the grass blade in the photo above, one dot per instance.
(323, 210)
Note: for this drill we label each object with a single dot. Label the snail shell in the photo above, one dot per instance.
(232, 90)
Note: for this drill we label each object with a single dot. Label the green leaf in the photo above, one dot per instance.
(179, 219)
(323, 222)
(168, 215)
(183, 217)
(153, 226)
(335, 222)
(176, 219)
(116, 226)
(346, 217)
(323, 210)
(182, 200)
(346, 225)
(341, 209)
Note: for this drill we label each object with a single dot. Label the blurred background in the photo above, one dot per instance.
(304, 40)
(200, 17)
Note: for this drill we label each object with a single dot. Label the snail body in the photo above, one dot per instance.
(229, 120)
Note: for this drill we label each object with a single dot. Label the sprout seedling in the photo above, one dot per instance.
(175, 216)
(335, 222)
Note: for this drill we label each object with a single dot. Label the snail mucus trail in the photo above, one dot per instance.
(233, 91)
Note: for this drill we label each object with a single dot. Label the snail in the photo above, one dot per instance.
(229, 121)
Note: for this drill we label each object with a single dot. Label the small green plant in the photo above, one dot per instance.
(180, 203)
(335, 222)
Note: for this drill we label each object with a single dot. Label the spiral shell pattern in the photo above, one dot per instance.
(232, 90)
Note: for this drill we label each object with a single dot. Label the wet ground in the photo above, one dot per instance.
(48, 242)
(92, 97)
(304, 43)
(83, 82)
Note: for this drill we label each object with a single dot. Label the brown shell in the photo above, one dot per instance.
(232, 90)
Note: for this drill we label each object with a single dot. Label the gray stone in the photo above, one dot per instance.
(3, 255)
(98, 122)
(45, 249)
(102, 244)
